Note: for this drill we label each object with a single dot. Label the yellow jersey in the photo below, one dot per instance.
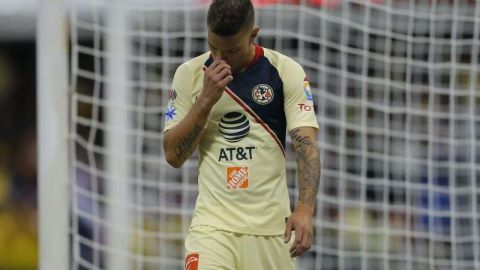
(242, 167)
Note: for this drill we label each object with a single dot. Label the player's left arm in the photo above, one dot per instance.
(303, 126)
(304, 140)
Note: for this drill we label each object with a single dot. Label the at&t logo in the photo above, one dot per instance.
(234, 126)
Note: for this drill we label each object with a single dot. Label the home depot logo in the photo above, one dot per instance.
(191, 262)
(237, 177)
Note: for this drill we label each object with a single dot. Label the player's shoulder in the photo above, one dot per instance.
(284, 64)
(189, 71)
(278, 59)
(195, 64)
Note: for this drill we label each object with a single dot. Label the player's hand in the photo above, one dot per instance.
(300, 221)
(217, 76)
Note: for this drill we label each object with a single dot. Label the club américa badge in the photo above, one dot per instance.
(262, 94)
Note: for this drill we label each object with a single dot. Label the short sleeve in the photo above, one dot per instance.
(179, 97)
(299, 109)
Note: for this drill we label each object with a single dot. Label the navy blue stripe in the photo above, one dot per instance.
(273, 113)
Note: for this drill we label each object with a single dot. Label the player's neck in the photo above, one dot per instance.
(251, 57)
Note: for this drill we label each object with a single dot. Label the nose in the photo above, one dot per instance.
(221, 55)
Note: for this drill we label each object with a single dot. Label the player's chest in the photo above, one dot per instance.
(257, 96)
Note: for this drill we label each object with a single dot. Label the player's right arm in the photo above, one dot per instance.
(181, 140)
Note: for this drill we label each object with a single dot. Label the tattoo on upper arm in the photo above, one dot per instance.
(308, 166)
(183, 149)
(297, 139)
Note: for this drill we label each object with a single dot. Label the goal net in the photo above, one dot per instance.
(396, 87)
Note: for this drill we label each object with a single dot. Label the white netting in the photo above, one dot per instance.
(397, 90)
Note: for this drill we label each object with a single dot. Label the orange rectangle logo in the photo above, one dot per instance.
(191, 261)
(237, 177)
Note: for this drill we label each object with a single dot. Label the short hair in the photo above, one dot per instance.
(228, 17)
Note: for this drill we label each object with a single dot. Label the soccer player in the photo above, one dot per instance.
(236, 103)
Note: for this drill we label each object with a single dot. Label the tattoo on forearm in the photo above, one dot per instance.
(184, 147)
(308, 167)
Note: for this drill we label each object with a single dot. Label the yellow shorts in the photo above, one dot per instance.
(208, 248)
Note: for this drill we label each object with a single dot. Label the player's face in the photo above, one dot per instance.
(237, 49)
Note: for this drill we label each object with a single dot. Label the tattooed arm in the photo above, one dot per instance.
(304, 141)
(180, 141)
(308, 164)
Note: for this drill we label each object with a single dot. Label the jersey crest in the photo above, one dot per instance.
(262, 94)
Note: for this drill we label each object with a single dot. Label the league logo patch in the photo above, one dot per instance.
(171, 112)
(262, 94)
(191, 261)
(308, 92)
(234, 126)
(237, 177)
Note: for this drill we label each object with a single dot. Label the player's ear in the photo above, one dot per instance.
(254, 33)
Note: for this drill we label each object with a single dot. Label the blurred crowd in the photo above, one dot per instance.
(18, 169)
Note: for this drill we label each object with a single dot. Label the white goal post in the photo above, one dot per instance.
(396, 88)
(54, 176)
